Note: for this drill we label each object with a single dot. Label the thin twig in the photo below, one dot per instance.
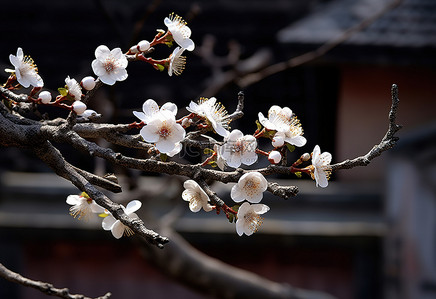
(312, 55)
(388, 141)
(44, 287)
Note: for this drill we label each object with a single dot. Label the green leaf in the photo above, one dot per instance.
(259, 126)
(298, 175)
(163, 157)
(63, 91)
(231, 217)
(291, 148)
(160, 67)
(83, 194)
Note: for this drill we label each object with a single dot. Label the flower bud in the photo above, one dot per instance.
(88, 83)
(305, 157)
(79, 107)
(45, 97)
(134, 49)
(278, 141)
(274, 157)
(186, 122)
(143, 45)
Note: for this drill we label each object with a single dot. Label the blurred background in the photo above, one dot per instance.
(370, 234)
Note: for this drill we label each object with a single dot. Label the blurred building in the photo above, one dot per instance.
(370, 234)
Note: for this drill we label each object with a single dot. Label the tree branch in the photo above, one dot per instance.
(388, 141)
(53, 158)
(44, 287)
(214, 278)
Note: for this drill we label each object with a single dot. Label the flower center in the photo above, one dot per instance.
(195, 201)
(253, 221)
(251, 187)
(28, 65)
(110, 65)
(164, 131)
(238, 147)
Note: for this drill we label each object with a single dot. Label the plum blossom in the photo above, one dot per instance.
(213, 112)
(248, 217)
(321, 169)
(163, 130)
(180, 31)
(288, 127)
(150, 110)
(25, 70)
(83, 206)
(74, 89)
(250, 187)
(117, 228)
(109, 65)
(196, 196)
(177, 62)
(239, 148)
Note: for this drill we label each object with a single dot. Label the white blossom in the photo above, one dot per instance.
(109, 65)
(150, 110)
(163, 130)
(248, 217)
(321, 168)
(250, 187)
(287, 126)
(117, 228)
(239, 148)
(74, 89)
(180, 31)
(196, 196)
(83, 206)
(213, 112)
(177, 62)
(25, 70)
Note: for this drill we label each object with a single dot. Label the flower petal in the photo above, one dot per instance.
(118, 229)
(260, 208)
(321, 178)
(237, 194)
(102, 52)
(240, 229)
(190, 184)
(170, 107)
(140, 115)
(149, 133)
(73, 199)
(297, 140)
(108, 222)
(133, 206)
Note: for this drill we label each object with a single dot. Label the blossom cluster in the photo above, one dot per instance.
(160, 128)
(109, 66)
(82, 206)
